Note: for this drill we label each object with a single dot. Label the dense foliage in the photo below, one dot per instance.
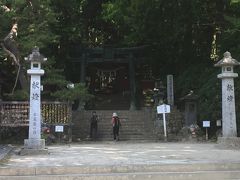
(185, 37)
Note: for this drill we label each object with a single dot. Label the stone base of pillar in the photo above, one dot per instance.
(33, 147)
(24, 152)
(34, 143)
(229, 142)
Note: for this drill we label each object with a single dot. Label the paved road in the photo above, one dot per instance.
(126, 153)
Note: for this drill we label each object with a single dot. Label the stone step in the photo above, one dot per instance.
(141, 172)
(127, 132)
(140, 121)
(126, 139)
(124, 124)
(109, 126)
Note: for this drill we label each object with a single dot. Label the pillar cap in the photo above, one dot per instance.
(227, 60)
(35, 56)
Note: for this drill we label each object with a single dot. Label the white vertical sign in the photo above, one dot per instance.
(163, 109)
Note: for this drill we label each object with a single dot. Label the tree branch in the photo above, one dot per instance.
(10, 47)
(5, 8)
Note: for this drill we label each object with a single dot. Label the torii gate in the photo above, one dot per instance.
(131, 56)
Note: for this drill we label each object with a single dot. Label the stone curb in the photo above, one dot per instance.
(132, 176)
(173, 168)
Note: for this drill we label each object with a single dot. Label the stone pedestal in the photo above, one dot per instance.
(24, 152)
(34, 147)
(34, 143)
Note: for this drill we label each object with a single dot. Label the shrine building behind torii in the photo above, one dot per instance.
(109, 66)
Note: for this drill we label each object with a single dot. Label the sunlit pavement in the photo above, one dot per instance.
(126, 153)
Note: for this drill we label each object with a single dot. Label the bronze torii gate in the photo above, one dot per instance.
(131, 56)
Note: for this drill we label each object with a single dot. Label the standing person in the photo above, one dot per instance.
(116, 124)
(93, 125)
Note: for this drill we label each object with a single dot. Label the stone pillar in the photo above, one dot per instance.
(82, 79)
(132, 82)
(0, 92)
(228, 108)
(170, 92)
(229, 127)
(83, 69)
(34, 144)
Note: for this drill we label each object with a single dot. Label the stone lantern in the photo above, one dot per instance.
(190, 108)
(229, 127)
(34, 143)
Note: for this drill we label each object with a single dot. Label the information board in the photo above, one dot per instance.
(164, 108)
(58, 128)
(206, 123)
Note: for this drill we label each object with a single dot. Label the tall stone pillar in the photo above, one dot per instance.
(0, 91)
(132, 83)
(229, 127)
(82, 80)
(228, 97)
(83, 69)
(170, 92)
(34, 143)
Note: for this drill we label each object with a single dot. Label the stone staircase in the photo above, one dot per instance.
(136, 125)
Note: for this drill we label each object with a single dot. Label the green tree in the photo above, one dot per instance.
(37, 23)
(31, 23)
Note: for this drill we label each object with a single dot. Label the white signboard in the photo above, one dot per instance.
(162, 109)
(206, 124)
(58, 128)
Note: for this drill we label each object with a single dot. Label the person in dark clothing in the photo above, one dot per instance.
(116, 124)
(93, 125)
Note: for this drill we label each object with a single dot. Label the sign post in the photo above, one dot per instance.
(163, 109)
(206, 124)
(59, 129)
